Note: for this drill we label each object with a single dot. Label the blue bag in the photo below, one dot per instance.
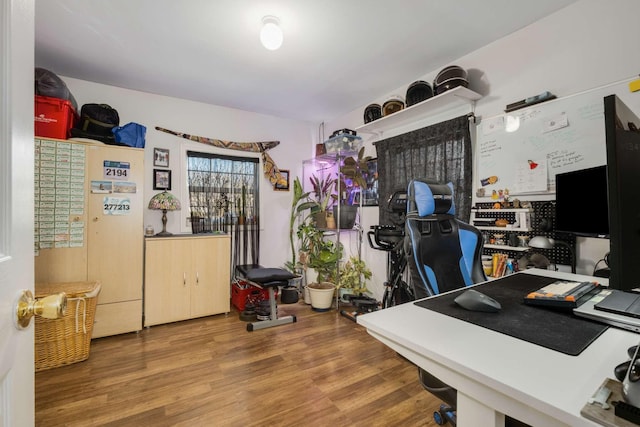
(131, 134)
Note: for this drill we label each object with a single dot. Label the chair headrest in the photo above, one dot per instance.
(431, 198)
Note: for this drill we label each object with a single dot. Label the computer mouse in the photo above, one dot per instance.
(477, 301)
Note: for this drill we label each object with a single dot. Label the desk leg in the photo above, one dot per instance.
(470, 412)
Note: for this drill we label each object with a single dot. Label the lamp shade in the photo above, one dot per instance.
(164, 201)
(541, 242)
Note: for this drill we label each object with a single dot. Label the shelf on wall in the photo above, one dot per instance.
(452, 98)
(505, 229)
(507, 248)
(503, 210)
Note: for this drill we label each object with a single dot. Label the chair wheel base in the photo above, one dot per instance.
(445, 414)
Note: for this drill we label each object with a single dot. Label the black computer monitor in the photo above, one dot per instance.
(623, 177)
(582, 206)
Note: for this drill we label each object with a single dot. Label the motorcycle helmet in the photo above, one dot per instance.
(372, 112)
(417, 92)
(392, 105)
(450, 77)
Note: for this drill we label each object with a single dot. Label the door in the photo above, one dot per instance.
(167, 280)
(16, 208)
(114, 236)
(210, 294)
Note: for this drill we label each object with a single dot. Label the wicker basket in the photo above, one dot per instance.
(64, 341)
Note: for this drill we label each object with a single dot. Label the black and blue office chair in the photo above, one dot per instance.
(443, 254)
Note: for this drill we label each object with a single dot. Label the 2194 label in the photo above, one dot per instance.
(116, 170)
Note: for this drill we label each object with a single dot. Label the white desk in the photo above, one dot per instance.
(496, 374)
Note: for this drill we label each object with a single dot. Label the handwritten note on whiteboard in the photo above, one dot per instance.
(531, 177)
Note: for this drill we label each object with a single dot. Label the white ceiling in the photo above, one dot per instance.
(337, 55)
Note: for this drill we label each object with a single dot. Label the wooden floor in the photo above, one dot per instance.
(324, 370)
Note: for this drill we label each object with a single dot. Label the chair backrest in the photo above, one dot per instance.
(443, 252)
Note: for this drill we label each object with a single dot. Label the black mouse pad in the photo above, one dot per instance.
(555, 329)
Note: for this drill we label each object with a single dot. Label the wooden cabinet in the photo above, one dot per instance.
(186, 277)
(96, 206)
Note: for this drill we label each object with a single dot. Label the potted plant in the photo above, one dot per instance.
(351, 185)
(299, 204)
(323, 195)
(323, 256)
(353, 278)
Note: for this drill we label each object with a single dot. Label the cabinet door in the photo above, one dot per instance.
(167, 287)
(115, 230)
(210, 284)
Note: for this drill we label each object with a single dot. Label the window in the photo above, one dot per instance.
(223, 196)
(440, 152)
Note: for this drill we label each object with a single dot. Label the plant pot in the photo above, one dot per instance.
(289, 295)
(320, 219)
(307, 295)
(347, 218)
(321, 295)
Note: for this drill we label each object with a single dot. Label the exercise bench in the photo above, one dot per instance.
(266, 278)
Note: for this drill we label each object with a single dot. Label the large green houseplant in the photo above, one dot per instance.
(299, 204)
(354, 275)
(322, 255)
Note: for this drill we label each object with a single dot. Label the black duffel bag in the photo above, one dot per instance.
(97, 122)
(47, 83)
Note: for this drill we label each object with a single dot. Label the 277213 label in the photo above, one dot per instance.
(116, 206)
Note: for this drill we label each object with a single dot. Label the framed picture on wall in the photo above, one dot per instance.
(161, 179)
(279, 187)
(161, 157)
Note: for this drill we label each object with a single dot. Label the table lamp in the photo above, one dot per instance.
(164, 202)
(542, 242)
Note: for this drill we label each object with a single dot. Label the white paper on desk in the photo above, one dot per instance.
(530, 180)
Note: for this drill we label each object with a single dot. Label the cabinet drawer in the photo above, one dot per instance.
(117, 318)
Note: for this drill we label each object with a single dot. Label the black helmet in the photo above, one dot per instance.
(450, 77)
(372, 112)
(392, 105)
(418, 91)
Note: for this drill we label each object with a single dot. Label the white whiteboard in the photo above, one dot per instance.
(552, 137)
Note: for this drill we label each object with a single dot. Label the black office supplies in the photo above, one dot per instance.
(532, 100)
(477, 301)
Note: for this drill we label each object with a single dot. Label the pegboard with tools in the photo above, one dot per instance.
(523, 222)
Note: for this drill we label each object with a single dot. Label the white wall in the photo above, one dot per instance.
(296, 142)
(586, 45)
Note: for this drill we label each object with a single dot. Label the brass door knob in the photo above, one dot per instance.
(50, 307)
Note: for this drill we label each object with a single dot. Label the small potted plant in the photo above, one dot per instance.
(353, 182)
(353, 278)
(323, 256)
(323, 195)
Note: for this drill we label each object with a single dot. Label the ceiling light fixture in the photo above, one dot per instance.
(271, 34)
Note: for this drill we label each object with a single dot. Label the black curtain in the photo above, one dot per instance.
(441, 152)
